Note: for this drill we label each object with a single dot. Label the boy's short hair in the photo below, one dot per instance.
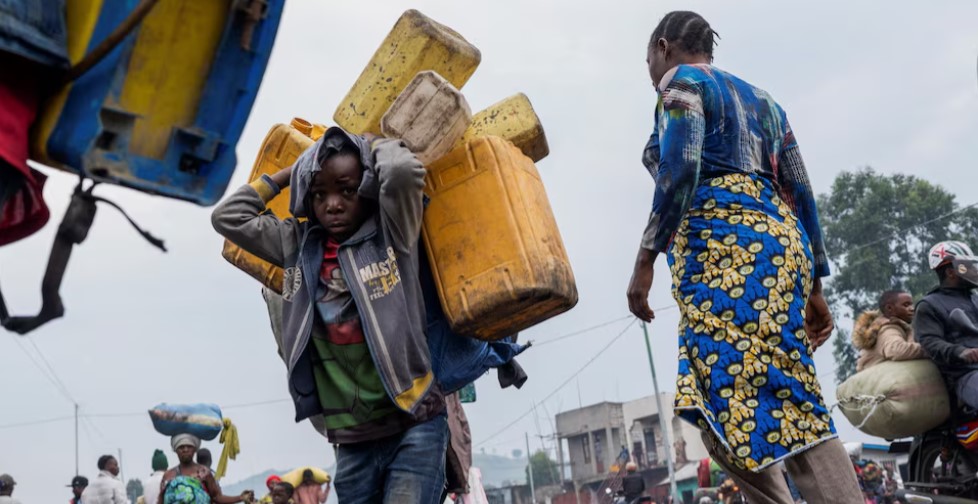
(289, 489)
(888, 297)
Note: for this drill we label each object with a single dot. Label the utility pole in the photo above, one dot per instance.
(122, 474)
(76, 439)
(529, 469)
(662, 419)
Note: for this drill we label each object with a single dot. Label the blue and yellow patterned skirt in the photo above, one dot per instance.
(742, 272)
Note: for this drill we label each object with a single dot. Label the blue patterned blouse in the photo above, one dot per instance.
(710, 123)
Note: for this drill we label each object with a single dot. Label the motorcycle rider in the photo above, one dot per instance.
(946, 319)
(632, 485)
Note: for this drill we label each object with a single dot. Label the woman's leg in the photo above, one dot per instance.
(765, 487)
(824, 474)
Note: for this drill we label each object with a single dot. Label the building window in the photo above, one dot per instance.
(586, 448)
(651, 451)
(599, 451)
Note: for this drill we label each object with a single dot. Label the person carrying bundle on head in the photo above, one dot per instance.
(192, 483)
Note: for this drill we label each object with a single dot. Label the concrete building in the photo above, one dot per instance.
(592, 437)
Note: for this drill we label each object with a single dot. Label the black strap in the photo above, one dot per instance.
(156, 242)
(73, 230)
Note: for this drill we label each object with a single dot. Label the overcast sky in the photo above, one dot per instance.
(887, 84)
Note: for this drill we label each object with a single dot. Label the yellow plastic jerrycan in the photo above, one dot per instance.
(282, 146)
(495, 251)
(515, 120)
(416, 43)
(430, 116)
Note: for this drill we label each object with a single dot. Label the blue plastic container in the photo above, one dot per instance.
(162, 112)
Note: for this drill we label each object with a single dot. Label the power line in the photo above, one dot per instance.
(562, 385)
(61, 384)
(908, 228)
(87, 420)
(504, 442)
(581, 331)
(42, 370)
(37, 422)
(87, 417)
(253, 404)
(115, 415)
(599, 326)
(88, 433)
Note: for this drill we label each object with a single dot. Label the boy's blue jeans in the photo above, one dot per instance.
(406, 468)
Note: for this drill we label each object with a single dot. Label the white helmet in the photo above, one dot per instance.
(957, 254)
(945, 251)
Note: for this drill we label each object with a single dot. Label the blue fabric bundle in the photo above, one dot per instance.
(200, 420)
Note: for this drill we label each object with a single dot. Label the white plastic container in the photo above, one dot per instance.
(430, 115)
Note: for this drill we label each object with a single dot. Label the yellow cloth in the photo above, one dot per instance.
(229, 438)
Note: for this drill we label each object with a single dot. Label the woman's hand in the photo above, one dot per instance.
(641, 283)
(818, 318)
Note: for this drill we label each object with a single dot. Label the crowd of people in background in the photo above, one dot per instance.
(108, 488)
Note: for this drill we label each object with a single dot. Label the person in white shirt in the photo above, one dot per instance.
(7, 485)
(107, 488)
(151, 490)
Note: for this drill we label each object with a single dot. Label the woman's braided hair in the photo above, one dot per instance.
(688, 31)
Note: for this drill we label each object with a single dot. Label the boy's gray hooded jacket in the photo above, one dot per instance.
(379, 263)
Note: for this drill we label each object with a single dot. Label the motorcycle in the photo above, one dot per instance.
(911, 497)
(619, 498)
(939, 465)
(943, 462)
(730, 493)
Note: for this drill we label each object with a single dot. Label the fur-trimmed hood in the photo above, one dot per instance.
(869, 325)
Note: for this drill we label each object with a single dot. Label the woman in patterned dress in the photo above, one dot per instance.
(735, 214)
(193, 483)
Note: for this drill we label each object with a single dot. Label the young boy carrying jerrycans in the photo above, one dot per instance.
(351, 278)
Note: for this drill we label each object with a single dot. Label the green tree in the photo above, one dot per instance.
(845, 355)
(134, 489)
(545, 470)
(878, 229)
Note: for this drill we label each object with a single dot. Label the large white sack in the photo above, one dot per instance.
(894, 400)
